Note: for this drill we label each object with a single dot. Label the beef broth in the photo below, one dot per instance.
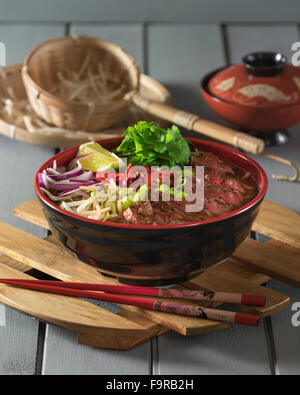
(226, 189)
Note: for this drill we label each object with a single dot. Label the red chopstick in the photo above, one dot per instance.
(175, 308)
(225, 297)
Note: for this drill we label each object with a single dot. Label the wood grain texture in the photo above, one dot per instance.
(279, 223)
(272, 258)
(120, 342)
(32, 211)
(56, 261)
(4, 260)
(215, 278)
(96, 326)
(89, 320)
(221, 278)
(71, 313)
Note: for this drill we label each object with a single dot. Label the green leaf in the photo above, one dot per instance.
(147, 144)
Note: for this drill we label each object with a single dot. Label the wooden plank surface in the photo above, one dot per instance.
(18, 163)
(96, 326)
(53, 257)
(32, 211)
(191, 51)
(18, 343)
(74, 314)
(157, 10)
(240, 39)
(244, 39)
(89, 319)
(21, 267)
(128, 36)
(286, 334)
(278, 223)
(21, 38)
(223, 278)
(64, 356)
(237, 350)
(56, 261)
(182, 48)
(228, 277)
(272, 258)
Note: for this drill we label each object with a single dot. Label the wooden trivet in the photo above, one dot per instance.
(252, 265)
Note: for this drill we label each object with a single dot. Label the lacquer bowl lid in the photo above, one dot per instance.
(264, 79)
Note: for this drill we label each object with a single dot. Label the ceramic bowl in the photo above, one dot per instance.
(155, 255)
(262, 94)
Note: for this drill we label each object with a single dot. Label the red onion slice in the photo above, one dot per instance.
(74, 161)
(68, 191)
(86, 176)
(65, 186)
(41, 181)
(69, 174)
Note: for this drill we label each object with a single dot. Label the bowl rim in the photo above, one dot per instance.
(263, 189)
(204, 87)
(26, 75)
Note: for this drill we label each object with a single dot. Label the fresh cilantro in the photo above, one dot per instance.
(148, 145)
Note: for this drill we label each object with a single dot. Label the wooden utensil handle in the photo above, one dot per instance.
(200, 125)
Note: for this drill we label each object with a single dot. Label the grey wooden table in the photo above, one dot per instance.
(177, 43)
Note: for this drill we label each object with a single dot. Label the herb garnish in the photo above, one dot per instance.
(148, 145)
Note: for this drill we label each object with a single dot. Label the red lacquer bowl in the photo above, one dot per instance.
(155, 255)
(260, 95)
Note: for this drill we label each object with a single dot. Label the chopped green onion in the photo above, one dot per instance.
(141, 194)
(123, 192)
(180, 183)
(112, 205)
(179, 195)
(127, 202)
(163, 188)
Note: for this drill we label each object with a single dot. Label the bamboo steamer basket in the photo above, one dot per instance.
(39, 73)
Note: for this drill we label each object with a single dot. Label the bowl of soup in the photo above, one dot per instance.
(146, 240)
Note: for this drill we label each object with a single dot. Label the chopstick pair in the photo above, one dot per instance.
(83, 290)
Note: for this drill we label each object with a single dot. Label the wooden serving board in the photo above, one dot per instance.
(252, 265)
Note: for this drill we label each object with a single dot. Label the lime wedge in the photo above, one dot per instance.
(101, 158)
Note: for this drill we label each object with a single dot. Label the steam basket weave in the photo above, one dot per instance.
(40, 77)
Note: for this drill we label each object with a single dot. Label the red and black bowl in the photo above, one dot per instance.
(262, 94)
(155, 255)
